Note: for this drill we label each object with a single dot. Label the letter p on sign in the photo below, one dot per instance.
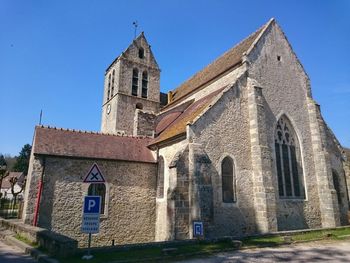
(92, 204)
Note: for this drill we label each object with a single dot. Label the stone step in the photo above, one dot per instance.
(4, 232)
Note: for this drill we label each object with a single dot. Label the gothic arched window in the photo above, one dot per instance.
(135, 81)
(228, 182)
(288, 161)
(160, 178)
(112, 89)
(109, 86)
(144, 84)
(99, 190)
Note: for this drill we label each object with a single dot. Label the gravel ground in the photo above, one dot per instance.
(322, 251)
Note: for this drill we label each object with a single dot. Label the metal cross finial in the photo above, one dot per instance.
(135, 24)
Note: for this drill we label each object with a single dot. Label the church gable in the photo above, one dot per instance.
(272, 48)
(140, 52)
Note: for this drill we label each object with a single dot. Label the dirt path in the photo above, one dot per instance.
(323, 251)
(9, 254)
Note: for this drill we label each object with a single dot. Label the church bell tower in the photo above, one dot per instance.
(131, 85)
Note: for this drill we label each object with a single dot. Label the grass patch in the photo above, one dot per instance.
(332, 234)
(262, 241)
(26, 240)
(203, 248)
(144, 254)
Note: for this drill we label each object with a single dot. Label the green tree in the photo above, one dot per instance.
(3, 171)
(22, 161)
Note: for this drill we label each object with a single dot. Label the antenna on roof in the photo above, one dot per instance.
(135, 24)
(41, 115)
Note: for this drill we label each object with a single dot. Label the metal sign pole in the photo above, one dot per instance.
(89, 246)
(88, 256)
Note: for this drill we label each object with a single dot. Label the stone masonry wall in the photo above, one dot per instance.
(165, 219)
(338, 171)
(224, 131)
(130, 200)
(285, 87)
(32, 187)
(144, 123)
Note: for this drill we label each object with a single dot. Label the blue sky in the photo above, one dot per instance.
(53, 53)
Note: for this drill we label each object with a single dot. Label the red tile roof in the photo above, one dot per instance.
(59, 142)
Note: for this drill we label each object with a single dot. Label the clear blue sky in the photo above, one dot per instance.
(53, 53)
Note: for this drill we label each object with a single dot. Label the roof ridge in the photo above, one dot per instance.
(91, 132)
(201, 78)
(263, 29)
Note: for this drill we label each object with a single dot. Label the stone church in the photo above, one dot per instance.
(241, 146)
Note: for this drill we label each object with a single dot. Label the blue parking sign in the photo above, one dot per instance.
(92, 204)
(198, 230)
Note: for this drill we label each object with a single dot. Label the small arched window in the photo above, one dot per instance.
(160, 178)
(135, 81)
(141, 52)
(99, 190)
(228, 182)
(288, 161)
(112, 89)
(144, 84)
(109, 86)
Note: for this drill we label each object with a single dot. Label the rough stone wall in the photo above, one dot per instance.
(144, 123)
(125, 112)
(35, 172)
(130, 200)
(224, 131)
(165, 219)
(263, 183)
(337, 170)
(285, 88)
(346, 165)
(180, 197)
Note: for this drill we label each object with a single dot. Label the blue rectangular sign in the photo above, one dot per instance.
(92, 204)
(198, 230)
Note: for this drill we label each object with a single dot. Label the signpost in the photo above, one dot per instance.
(91, 218)
(92, 207)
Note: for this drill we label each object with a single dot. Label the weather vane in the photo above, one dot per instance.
(135, 24)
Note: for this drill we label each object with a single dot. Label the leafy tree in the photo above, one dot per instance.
(22, 161)
(3, 170)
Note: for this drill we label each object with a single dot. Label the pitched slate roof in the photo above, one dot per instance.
(225, 62)
(69, 143)
(172, 123)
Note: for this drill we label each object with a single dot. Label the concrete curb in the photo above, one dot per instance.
(33, 252)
